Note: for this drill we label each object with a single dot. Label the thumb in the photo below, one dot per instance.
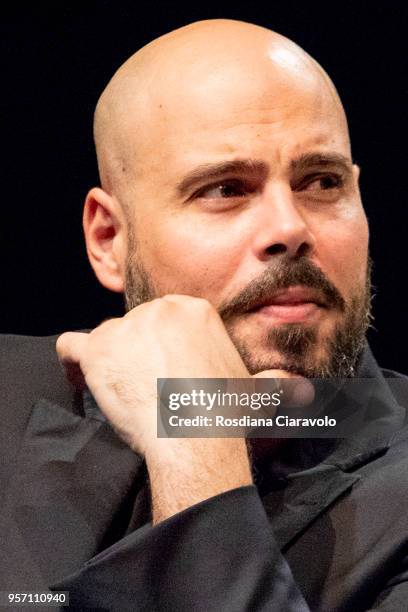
(299, 391)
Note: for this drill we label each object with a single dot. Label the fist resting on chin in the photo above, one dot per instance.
(175, 336)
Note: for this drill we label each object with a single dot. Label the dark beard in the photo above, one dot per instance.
(294, 342)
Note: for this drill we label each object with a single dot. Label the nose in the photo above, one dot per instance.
(282, 225)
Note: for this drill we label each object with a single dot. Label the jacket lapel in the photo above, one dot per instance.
(308, 493)
(303, 499)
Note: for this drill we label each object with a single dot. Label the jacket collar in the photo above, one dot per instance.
(319, 471)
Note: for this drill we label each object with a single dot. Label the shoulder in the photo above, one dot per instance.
(28, 358)
(16, 349)
(398, 384)
(29, 370)
(396, 381)
(393, 374)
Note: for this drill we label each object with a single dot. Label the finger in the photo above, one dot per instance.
(275, 374)
(70, 347)
(186, 300)
(298, 391)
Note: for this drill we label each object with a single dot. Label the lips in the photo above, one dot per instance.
(291, 297)
(292, 305)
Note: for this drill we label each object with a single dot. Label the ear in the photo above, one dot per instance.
(106, 238)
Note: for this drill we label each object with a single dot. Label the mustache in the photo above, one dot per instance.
(282, 274)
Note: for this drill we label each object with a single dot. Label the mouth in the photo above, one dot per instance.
(292, 305)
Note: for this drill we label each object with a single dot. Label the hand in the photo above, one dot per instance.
(171, 337)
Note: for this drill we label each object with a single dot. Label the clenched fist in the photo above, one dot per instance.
(174, 336)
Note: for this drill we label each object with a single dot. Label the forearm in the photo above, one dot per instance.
(184, 472)
(219, 554)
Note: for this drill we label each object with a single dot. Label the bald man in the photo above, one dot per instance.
(229, 215)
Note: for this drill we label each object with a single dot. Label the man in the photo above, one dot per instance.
(229, 214)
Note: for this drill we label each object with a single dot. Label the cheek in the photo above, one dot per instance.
(191, 256)
(344, 251)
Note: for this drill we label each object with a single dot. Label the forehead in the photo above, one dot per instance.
(264, 109)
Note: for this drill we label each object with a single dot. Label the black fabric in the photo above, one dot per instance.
(325, 530)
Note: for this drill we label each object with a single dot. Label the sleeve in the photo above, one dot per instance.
(217, 555)
(394, 597)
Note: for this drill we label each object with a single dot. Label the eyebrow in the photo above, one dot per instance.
(211, 172)
(206, 173)
(308, 160)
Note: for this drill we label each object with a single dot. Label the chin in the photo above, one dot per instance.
(303, 350)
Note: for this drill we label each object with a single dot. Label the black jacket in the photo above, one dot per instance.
(329, 533)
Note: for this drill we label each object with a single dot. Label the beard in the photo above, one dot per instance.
(295, 343)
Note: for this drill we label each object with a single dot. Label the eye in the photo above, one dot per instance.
(231, 188)
(322, 182)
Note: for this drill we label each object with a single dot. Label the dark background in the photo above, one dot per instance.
(57, 60)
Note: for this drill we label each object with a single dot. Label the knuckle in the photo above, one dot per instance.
(206, 309)
(175, 299)
(201, 304)
(60, 344)
(204, 304)
(60, 341)
(63, 342)
(105, 326)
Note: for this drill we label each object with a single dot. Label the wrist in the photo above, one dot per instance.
(184, 472)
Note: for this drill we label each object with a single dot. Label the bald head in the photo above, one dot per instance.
(195, 73)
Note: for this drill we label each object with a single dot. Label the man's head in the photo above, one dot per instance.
(226, 173)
